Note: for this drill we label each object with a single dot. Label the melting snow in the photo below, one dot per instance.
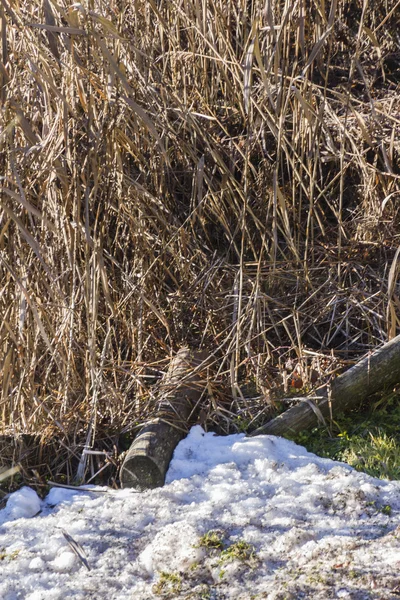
(317, 529)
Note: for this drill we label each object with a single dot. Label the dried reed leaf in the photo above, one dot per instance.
(77, 549)
(158, 314)
(364, 130)
(10, 472)
(106, 23)
(247, 69)
(50, 20)
(28, 237)
(29, 207)
(129, 91)
(317, 49)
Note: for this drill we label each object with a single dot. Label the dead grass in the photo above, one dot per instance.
(223, 174)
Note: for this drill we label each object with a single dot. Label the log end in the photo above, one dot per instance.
(141, 473)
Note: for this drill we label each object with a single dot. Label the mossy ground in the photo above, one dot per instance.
(367, 439)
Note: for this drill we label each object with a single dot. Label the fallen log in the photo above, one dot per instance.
(147, 461)
(371, 374)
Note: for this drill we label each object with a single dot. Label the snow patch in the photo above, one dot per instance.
(174, 548)
(318, 528)
(23, 504)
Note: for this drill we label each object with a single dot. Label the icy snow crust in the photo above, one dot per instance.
(319, 530)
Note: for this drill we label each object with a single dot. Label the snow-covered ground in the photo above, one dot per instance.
(299, 526)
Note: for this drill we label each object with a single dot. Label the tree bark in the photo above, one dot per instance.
(372, 373)
(147, 461)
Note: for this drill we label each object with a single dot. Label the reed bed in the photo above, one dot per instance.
(218, 173)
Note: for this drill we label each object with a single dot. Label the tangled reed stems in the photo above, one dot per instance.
(222, 173)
